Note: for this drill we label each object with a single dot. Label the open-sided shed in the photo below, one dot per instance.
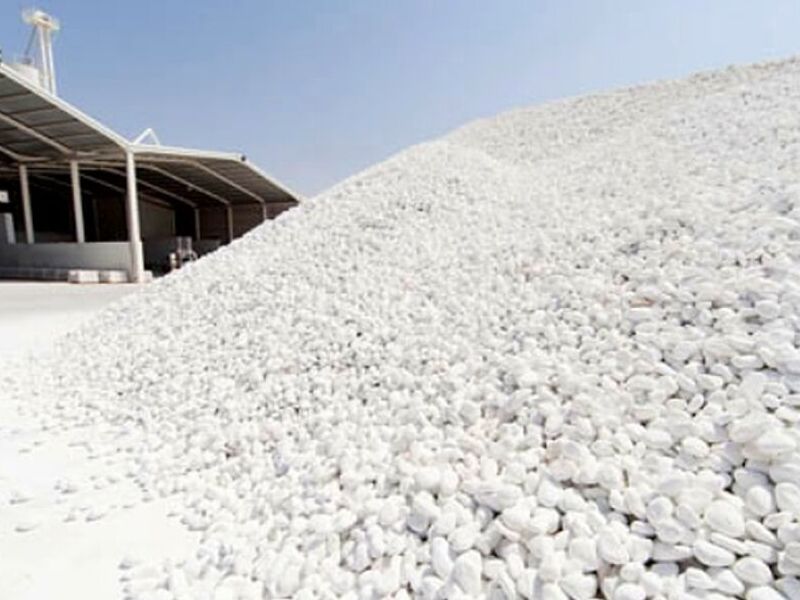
(82, 196)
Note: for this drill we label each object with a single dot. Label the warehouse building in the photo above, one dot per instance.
(77, 197)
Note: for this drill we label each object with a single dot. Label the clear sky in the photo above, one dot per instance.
(313, 91)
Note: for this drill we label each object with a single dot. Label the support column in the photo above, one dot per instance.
(77, 201)
(230, 223)
(196, 223)
(134, 233)
(45, 62)
(27, 216)
(264, 214)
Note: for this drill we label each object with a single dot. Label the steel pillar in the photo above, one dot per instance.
(77, 201)
(27, 215)
(134, 232)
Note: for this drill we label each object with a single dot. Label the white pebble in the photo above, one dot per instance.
(579, 586)
(759, 500)
(428, 479)
(727, 582)
(551, 591)
(787, 497)
(764, 593)
(722, 516)
(752, 570)
(440, 557)
(629, 591)
(774, 444)
(467, 570)
(712, 555)
(611, 549)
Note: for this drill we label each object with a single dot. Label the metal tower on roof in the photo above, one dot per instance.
(44, 26)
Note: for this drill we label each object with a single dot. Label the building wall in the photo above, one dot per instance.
(14, 206)
(106, 219)
(101, 255)
(214, 224)
(53, 217)
(246, 217)
(156, 221)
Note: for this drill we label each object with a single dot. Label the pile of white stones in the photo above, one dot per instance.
(552, 355)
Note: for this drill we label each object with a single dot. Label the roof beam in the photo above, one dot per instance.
(33, 133)
(30, 111)
(123, 191)
(43, 186)
(14, 155)
(44, 124)
(34, 177)
(191, 185)
(189, 157)
(230, 182)
(154, 187)
(43, 166)
(86, 157)
(186, 182)
(70, 135)
(102, 183)
(14, 95)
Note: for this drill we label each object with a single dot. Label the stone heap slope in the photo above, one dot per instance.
(553, 355)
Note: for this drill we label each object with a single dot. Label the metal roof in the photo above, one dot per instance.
(34, 124)
(44, 132)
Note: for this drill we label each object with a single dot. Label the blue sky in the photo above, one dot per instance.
(313, 91)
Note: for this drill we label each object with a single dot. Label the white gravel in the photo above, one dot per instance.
(551, 355)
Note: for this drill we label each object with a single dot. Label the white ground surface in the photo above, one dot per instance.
(80, 557)
(33, 314)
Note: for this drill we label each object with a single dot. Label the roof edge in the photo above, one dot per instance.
(190, 153)
(74, 112)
